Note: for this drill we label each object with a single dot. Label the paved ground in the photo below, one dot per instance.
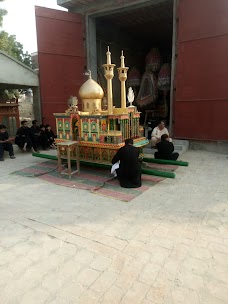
(170, 245)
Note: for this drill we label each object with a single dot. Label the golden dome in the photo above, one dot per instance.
(91, 90)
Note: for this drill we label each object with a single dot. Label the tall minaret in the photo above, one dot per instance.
(109, 74)
(123, 77)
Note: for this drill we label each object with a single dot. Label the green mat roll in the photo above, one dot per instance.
(158, 173)
(144, 171)
(108, 166)
(167, 162)
(53, 157)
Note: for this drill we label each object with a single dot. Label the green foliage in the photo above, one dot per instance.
(3, 12)
(7, 95)
(27, 59)
(12, 47)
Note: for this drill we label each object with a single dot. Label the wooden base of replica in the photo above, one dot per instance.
(98, 137)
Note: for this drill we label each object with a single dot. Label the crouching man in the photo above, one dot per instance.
(166, 149)
(5, 143)
(24, 139)
(129, 171)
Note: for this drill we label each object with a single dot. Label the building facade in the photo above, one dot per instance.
(69, 43)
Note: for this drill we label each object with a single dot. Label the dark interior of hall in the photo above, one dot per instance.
(136, 32)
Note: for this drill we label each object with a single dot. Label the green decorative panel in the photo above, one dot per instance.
(94, 125)
(60, 125)
(111, 124)
(85, 126)
(67, 125)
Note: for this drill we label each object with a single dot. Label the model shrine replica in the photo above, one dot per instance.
(100, 132)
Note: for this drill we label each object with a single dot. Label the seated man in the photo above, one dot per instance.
(129, 171)
(158, 132)
(43, 138)
(23, 137)
(35, 134)
(50, 136)
(5, 143)
(165, 149)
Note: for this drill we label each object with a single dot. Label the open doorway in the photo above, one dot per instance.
(146, 35)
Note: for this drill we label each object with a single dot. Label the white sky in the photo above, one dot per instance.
(20, 20)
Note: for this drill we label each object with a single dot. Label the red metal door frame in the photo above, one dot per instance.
(201, 101)
(61, 55)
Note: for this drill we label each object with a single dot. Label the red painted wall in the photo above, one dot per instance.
(201, 97)
(61, 59)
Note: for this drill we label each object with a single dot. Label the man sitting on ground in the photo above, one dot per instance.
(158, 132)
(165, 149)
(23, 138)
(5, 143)
(35, 134)
(50, 136)
(43, 138)
(129, 171)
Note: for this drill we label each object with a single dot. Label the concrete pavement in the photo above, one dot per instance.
(168, 246)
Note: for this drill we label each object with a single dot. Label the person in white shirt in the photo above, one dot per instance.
(158, 132)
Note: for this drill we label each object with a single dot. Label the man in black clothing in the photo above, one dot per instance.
(5, 143)
(35, 134)
(43, 139)
(129, 171)
(50, 136)
(165, 149)
(23, 137)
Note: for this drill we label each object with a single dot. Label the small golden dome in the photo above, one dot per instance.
(91, 90)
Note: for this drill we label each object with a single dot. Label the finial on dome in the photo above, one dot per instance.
(108, 56)
(89, 74)
(122, 60)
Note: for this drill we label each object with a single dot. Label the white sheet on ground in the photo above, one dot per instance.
(114, 168)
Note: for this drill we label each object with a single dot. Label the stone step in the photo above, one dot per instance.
(181, 142)
(152, 151)
(180, 146)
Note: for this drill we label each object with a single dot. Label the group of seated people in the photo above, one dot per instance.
(32, 138)
(127, 162)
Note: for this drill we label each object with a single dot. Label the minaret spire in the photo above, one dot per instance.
(123, 77)
(109, 74)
